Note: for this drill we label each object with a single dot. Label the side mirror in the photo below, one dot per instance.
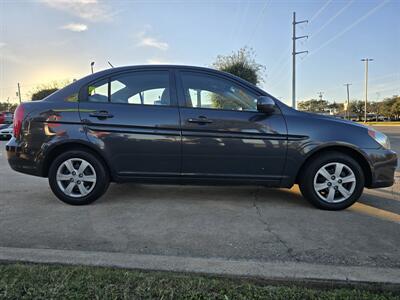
(265, 104)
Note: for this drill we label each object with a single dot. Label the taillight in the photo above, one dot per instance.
(18, 118)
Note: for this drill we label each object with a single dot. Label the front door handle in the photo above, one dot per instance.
(199, 120)
(102, 114)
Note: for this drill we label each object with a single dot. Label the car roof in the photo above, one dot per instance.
(76, 86)
(109, 71)
(161, 66)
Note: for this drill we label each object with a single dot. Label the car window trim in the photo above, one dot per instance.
(83, 92)
(183, 102)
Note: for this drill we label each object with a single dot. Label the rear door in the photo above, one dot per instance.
(133, 117)
(224, 137)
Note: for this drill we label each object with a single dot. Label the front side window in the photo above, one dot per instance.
(147, 88)
(207, 91)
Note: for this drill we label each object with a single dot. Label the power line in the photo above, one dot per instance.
(331, 19)
(359, 20)
(320, 10)
(242, 20)
(258, 21)
(285, 53)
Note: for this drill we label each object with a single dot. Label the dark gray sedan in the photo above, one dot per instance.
(191, 125)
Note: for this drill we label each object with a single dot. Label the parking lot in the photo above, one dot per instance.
(244, 223)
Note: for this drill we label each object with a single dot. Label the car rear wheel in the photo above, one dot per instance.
(332, 181)
(78, 177)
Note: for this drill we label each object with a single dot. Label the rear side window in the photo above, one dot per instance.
(139, 87)
(98, 91)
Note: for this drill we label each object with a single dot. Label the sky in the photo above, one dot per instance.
(56, 40)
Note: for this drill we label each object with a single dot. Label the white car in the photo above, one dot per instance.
(6, 132)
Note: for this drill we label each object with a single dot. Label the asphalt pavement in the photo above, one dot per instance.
(231, 224)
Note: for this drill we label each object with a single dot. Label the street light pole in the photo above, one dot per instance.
(91, 66)
(366, 60)
(348, 100)
(19, 92)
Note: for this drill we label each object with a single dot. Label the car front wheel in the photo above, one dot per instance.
(78, 177)
(332, 181)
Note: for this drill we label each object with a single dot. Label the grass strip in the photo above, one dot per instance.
(31, 281)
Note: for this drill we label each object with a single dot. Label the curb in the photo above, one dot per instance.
(383, 278)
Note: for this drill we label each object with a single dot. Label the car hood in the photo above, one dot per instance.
(6, 130)
(332, 119)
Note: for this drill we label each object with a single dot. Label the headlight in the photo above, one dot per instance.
(381, 138)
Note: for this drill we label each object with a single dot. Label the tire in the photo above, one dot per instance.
(345, 188)
(89, 184)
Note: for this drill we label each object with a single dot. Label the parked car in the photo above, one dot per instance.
(6, 131)
(2, 126)
(6, 117)
(191, 125)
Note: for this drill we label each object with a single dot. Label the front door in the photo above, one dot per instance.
(133, 117)
(224, 137)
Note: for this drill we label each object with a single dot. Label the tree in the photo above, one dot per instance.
(242, 64)
(44, 90)
(6, 106)
(314, 105)
(357, 107)
(41, 94)
(336, 108)
(395, 109)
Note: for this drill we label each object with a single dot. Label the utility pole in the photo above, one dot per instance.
(19, 93)
(366, 60)
(294, 53)
(348, 100)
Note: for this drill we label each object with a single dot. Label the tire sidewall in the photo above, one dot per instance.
(102, 180)
(307, 180)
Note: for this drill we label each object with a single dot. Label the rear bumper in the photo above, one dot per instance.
(383, 166)
(20, 159)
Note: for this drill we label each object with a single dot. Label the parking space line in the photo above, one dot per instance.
(375, 212)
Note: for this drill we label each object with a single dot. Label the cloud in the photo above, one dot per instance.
(76, 27)
(147, 41)
(156, 61)
(152, 42)
(89, 10)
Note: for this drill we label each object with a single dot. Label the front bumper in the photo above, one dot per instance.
(383, 164)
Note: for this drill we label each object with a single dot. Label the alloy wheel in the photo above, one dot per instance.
(76, 177)
(334, 182)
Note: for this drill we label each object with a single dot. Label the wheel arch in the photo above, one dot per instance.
(350, 151)
(56, 150)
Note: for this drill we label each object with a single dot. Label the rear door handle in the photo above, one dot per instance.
(101, 114)
(199, 120)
